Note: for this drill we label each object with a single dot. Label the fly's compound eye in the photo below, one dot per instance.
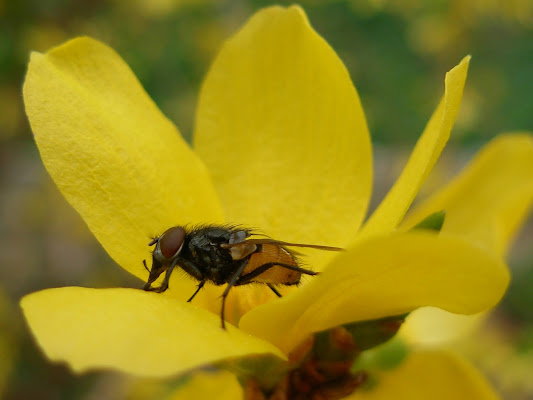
(171, 242)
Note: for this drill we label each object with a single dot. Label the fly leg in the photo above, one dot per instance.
(164, 284)
(274, 289)
(234, 278)
(200, 285)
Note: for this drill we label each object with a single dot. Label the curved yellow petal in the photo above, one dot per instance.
(381, 277)
(490, 199)
(281, 128)
(429, 375)
(115, 157)
(430, 326)
(133, 331)
(426, 152)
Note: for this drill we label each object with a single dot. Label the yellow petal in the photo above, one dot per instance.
(115, 157)
(381, 277)
(429, 326)
(426, 152)
(281, 128)
(133, 331)
(490, 199)
(429, 375)
(218, 385)
(206, 383)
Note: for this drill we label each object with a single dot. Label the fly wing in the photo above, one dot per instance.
(280, 243)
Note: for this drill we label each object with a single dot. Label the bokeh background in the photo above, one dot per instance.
(397, 52)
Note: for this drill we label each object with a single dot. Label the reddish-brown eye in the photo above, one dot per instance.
(171, 241)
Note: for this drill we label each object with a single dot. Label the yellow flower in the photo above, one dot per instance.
(281, 144)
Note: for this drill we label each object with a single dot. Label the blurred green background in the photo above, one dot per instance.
(397, 53)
